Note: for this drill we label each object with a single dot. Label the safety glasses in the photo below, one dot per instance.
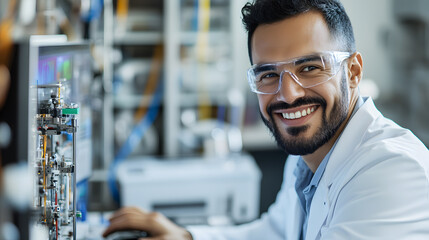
(307, 71)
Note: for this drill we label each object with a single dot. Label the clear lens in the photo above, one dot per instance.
(307, 71)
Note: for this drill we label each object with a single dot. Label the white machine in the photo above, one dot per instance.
(193, 190)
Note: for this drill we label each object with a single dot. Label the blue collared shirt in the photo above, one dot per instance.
(307, 182)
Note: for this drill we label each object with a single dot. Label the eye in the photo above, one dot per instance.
(269, 76)
(309, 68)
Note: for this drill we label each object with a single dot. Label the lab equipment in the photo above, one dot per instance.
(54, 197)
(193, 191)
(54, 131)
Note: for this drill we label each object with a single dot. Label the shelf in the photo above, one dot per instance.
(151, 38)
(191, 38)
(194, 99)
(191, 60)
(131, 101)
(138, 38)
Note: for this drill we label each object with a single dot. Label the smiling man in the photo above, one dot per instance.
(351, 173)
(305, 101)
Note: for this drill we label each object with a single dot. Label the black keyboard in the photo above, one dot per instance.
(127, 235)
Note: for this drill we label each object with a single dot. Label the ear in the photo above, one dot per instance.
(355, 68)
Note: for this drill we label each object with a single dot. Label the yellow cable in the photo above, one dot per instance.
(151, 82)
(122, 9)
(204, 108)
(11, 9)
(6, 25)
(203, 29)
(122, 12)
(6, 41)
(44, 171)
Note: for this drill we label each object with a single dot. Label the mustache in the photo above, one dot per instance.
(297, 103)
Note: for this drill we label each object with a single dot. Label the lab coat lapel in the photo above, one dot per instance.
(294, 217)
(341, 154)
(318, 211)
(352, 134)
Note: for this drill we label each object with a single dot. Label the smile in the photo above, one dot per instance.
(299, 114)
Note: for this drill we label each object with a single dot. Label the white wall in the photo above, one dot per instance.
(372, 22)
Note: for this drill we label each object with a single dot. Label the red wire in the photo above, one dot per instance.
(56, 222)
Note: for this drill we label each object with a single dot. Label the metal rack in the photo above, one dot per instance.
(175, 34)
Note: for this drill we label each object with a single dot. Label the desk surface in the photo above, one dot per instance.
(93, 227)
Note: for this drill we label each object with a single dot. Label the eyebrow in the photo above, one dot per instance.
(272, 66)
(263, 68)
(307, 59)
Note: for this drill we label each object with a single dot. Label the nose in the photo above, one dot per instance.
(289, 90)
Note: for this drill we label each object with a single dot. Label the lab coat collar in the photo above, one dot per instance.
(348, 140)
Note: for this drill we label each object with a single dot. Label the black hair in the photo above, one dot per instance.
(271, 11)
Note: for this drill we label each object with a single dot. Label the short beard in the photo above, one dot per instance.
(328, 128)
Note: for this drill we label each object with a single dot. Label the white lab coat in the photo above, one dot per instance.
(375, 186)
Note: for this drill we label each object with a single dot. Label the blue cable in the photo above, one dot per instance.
(132, 141)
(195, 18)
(221, 115)
(94, 12)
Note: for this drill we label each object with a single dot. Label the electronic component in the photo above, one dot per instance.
(55, 162)
(56, 133)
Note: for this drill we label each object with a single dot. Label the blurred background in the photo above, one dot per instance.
(167, 120)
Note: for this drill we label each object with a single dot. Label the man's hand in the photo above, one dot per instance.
(157, 225)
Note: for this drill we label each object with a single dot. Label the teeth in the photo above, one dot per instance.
(298, 114)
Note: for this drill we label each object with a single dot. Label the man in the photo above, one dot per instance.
(351, 173)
